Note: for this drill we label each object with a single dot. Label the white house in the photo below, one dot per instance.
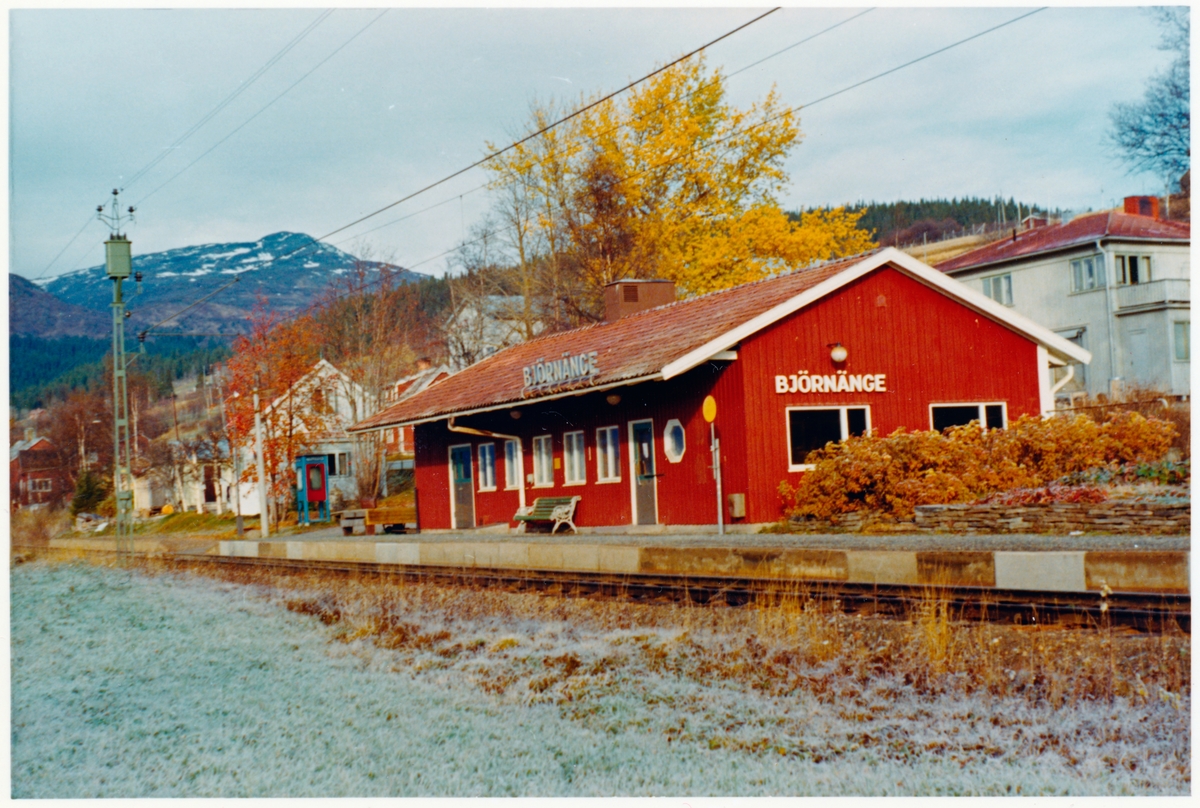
(487, 325)
(326, 391)
(1115, 283)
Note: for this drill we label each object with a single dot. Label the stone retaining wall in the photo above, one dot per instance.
(1116, 516)
(1106, 517)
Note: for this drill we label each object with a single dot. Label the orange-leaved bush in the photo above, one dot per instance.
(894, 474)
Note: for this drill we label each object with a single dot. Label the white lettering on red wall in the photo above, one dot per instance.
(840, 382)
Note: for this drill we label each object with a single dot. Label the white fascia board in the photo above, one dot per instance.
(911, 266)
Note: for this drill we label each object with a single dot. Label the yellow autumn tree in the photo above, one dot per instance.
(669, 181)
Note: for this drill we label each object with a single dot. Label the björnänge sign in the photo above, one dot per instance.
(840, 382)
(570, 368)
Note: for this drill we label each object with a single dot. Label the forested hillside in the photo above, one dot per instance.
(905, 222)
(42, 370)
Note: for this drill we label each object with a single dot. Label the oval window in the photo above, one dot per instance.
(673, 440)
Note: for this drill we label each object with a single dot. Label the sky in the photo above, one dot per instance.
(371, 105)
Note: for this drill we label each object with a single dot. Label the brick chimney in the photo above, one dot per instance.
(622, 298)
(1142, 206)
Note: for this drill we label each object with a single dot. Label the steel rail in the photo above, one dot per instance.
(1144, 611)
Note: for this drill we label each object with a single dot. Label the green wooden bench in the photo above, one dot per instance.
(559, 510)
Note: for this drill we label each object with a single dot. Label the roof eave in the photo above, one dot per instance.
(1074, 245)
(504, 405)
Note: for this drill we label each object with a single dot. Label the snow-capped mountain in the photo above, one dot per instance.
(289, 270)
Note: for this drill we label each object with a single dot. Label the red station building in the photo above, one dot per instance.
(612, 412)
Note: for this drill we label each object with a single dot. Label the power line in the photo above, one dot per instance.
(245, 85)
(660, 108)
(788, 111)
(64, 249)
(546, 128)
(410, 215)
(196, 127)
(265, 108)
(796, 108)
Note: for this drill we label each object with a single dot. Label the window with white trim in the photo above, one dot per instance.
(543, 461)
(674, 440)
(574, 459)
(1131, 269)
(608, 454)
(41, 485)
(999, 288)
(341, 464)
(811, 428)
(487, 467)
(512, 464)
(1087, 273)
(990, 415)
(1183, 343)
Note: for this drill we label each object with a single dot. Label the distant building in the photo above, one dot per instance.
(399, 441)
(487, 325)
(330, 392)
(37, 476)
(1116, 283)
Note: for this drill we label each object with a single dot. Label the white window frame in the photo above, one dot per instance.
(1187, 328)
(514, 465)
(1121, 267)
(613, 453)
(341, 464)
(1098, 275)
(41, 485)
(538, 481)
(574, 458)
(1003, 405)
(989, 287)
(487, 471)
(843, 423)
(671, 456)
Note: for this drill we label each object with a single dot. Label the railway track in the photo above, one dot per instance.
(1147, 612)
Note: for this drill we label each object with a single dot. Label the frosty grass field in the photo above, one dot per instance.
(159, 684)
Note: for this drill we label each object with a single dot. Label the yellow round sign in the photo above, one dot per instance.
(710, 409)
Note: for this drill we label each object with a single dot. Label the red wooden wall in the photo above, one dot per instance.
(932, 349)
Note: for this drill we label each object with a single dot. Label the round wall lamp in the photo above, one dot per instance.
(839, 352)
(514, 414)
(613, 399)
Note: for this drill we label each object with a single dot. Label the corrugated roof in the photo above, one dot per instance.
(1081, 230)
(635, 346)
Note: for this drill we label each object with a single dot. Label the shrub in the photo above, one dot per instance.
(894, 474)
(90, 491)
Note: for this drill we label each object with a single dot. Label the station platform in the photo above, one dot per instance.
(1082, 563)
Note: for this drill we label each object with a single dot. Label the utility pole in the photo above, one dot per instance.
(119, 265)
(262, 475)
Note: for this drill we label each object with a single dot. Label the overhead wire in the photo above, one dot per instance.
(788, 111)
(743, 130)
(265, 107)
(245, 85)
(659, 109)
(546, 128)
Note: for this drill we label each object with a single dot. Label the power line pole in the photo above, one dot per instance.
(118, 265)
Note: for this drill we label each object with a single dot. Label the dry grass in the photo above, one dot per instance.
(796, 676)
(35, 528)
(801, 641)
